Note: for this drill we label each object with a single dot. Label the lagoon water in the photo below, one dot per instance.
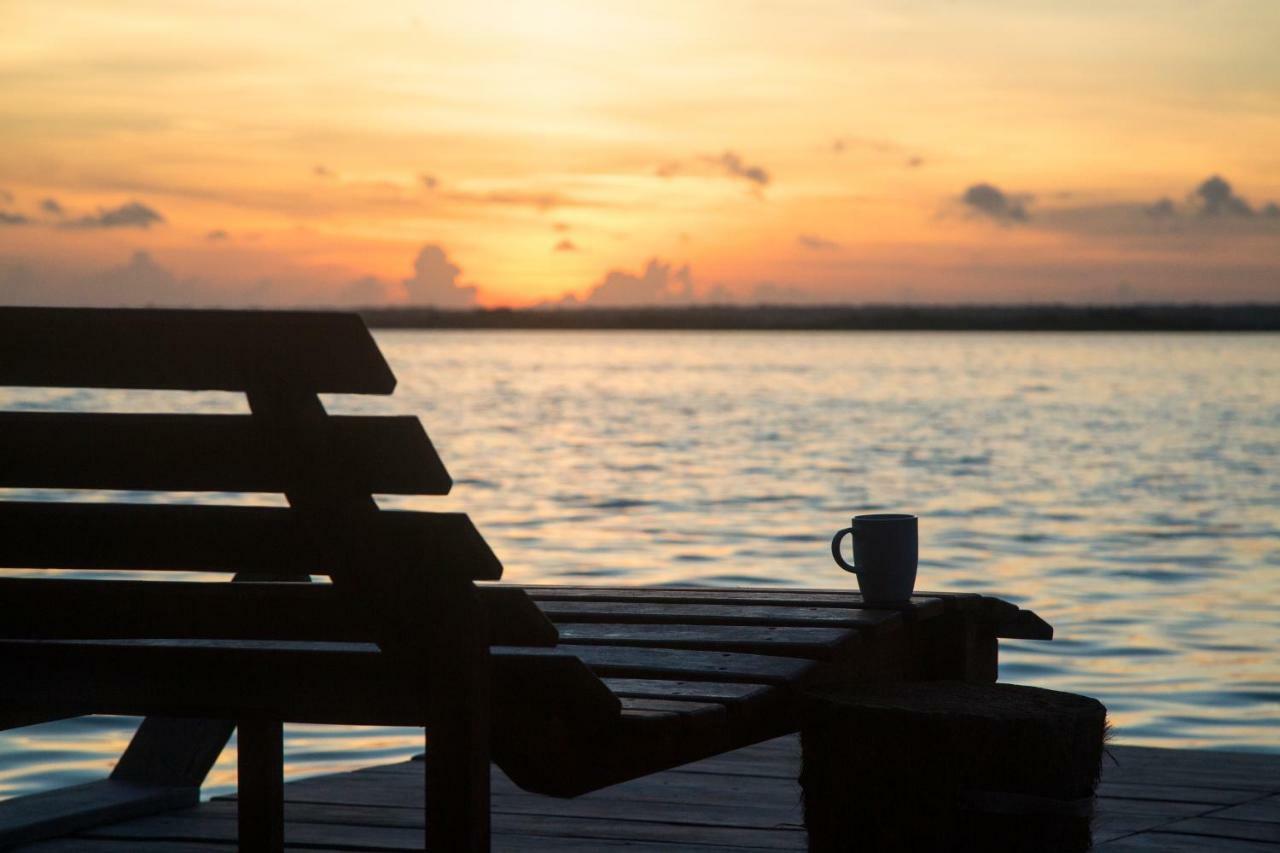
(1126, 487)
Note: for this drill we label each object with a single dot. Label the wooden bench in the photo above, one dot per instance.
(568, 689)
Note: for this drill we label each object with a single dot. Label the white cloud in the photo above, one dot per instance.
(659, 284)
(435, 281)
(140, 281)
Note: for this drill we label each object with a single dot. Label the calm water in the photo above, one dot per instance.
(1125, 487)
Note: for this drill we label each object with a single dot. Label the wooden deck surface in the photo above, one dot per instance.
(1150, 800)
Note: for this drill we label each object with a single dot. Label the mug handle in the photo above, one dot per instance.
(835, 549)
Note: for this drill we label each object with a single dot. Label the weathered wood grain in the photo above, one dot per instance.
(1168, 842)
(1007, 619)
(918, 606)
(671, 708)
(68, 810)
(813, 643)
(1173, 793)
(628, 662)
(627, 825)
(1227, 770)
(746, 806)
(1266, 809)
(727, 693)
(562, 612)
(1213, 826)
(97, 845)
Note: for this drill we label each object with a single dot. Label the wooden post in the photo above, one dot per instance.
(260, 745)
(958, 645)
(457, 753)
(426, 618)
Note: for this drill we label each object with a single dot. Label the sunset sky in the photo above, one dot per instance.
(515, 153)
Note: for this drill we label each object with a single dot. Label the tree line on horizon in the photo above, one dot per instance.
(1156, 317)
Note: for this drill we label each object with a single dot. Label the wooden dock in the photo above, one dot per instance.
(1149, 800)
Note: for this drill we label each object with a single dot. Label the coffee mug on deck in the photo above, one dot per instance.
(885, 548)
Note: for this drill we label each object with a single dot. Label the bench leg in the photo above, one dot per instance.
(953, 647)
(457, 785)
(261, 784)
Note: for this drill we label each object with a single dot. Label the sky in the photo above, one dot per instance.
(610, 153)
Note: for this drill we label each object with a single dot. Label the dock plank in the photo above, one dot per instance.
(61, 812)
(744, 800)
(1228, 770)
(1168, 842)
(400, 829)
(1215, 827)
(1265, 809)
(1174, 793)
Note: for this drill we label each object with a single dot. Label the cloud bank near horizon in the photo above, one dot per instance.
(437, 282)
(143, 281)
(1214, 242)
(1213, 207)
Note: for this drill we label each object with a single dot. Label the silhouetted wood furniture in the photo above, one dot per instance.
(615, 684)
(954, 766)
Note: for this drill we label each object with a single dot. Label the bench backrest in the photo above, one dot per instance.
(393, 563)
(401, 579)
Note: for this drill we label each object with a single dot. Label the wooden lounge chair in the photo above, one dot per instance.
(614, 685)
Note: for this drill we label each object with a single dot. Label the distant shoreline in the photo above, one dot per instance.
(980, 318)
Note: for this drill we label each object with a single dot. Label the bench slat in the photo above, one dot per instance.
(297, 682)
(206, 453)
(812, 643)
(190, 350)
(724, 692)
(564, 612)
(627, 662)
(73, 609)
(263, 540)
(645, 714)
(671, 707)
(920, 605)
(749, 707)
(155, 537)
